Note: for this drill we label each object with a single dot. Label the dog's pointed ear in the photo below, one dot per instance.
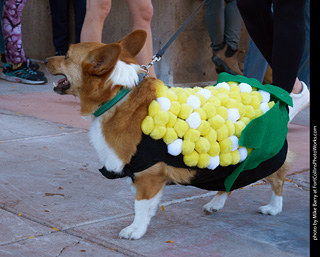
(102, 60)
(134, 42)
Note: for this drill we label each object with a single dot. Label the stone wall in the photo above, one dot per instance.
(188, 60)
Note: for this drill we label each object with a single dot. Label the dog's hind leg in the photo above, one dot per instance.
(216, 203)
(149, 187)
(276, 180)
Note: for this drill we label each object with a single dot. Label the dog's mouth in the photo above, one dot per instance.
(62, 86)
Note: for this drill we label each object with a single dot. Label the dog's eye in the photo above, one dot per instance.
(66, 56)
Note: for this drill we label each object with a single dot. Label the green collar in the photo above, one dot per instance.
(107, 105)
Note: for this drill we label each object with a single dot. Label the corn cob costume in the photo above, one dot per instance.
(232, 133)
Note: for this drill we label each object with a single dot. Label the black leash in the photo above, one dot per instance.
(157, 57)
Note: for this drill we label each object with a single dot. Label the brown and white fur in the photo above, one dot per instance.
(95, 72)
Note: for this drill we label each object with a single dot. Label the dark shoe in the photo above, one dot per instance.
(33, 66)
(22, 74)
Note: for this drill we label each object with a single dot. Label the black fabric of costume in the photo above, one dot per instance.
(150, 152)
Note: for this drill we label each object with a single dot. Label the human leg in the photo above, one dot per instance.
(214, 17)
(79, 7)
(288, 41)
(11, 29)
(255, 66)
(1, 35)
(233, 22)
(96, 13)
(17, 68)
(279, 36)
(60, 25)
(142, 12)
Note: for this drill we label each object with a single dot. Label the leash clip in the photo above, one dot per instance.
(155, 58)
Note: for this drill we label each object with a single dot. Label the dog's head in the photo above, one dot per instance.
(95, 72)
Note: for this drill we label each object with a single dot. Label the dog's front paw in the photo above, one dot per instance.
(270, 209)
(132, 232)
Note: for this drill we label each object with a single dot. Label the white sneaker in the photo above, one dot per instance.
(300, 101)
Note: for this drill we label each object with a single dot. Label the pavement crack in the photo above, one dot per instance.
(67, 246)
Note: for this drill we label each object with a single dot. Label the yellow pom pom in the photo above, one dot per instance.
(158, 132)
(204, 128)
(182, 97)
(232, 103)
(161, 89)
(239, 126)
(202, 145)
(249, 150)
(258, 113)
(147, 125)
(181, 127)
(203, 100)
(223, 112)
(202, 113)
(233, 85)
(216, 122)
(215, 100)
(250, 113)
(231, 127)
(185, 111)
(213, 90)
(204, 160)
(170, 136)
(245, 98)
(191, 159)
(172, 95)
(225, 145)
(172, 120)
(235, 157)
(225, 159)
(255, 102)
(246, 120)
(175, 108)
(222, 133)
(192, 135)
(235, 95)
(223, 90)
(241, 108)
(211, 136)
(256, 93)
(161, 118)
(214, 149)
(187, 147)
(210, 109)
(154, 108)
(271, 104)
(223, 97)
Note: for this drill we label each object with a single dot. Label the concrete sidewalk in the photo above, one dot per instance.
(54, 201)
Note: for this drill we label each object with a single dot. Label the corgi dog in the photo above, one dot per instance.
(96, 73)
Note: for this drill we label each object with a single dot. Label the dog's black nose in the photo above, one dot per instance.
(46, 61)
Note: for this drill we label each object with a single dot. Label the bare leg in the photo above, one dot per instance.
(142, 12)
(297, 87)
(96, 13)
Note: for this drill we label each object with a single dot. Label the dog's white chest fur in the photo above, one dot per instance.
(106, 154)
